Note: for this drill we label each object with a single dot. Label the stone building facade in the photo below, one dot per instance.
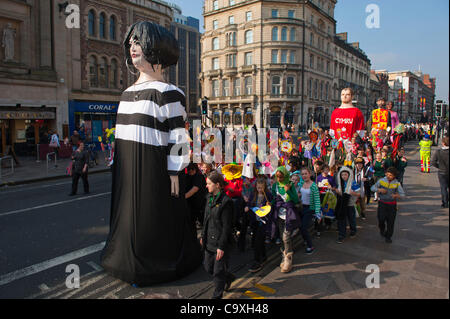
(268, 63)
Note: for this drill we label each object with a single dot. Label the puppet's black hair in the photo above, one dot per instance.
(158, 44)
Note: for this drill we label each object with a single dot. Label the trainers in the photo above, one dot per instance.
(340, 240)
(267, 241)
(353, 235)
(309, 251)
(318, 234)
(278, 241)
(256, 266)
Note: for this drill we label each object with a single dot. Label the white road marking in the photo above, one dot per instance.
(96, 291)
(34, 269)
(31, 188)
(75, 291)
(52, 204)
(112, 294)
(44, 287)
(95, 266)
(141, 294)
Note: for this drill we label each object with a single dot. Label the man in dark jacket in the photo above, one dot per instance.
(80, 160)
(216, 234)
(440, 161)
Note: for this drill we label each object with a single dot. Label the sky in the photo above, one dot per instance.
(412, 34)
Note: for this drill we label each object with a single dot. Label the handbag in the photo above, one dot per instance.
(53, 144)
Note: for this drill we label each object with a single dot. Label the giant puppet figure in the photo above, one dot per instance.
(380, 120)
(150, 239)
(346, 120)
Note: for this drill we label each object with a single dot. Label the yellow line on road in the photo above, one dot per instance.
(253, 295)
(265, 289)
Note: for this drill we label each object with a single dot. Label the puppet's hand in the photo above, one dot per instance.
(174, 185)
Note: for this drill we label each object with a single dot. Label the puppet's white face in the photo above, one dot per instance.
(137, 56)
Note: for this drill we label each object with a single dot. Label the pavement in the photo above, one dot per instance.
(29, 170)
(414, 266)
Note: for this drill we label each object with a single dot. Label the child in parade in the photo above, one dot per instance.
(310, 199)
(345, 209)
(285, 217)
(360, 179)
(217, 233)
(400, 164)
(260, 197)
(379, 170)
(389, 191)
(325, 183)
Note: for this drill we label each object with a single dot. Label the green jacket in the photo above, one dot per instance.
(278, 188)
(314, 200)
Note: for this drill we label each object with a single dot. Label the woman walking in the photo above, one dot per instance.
(80, 160)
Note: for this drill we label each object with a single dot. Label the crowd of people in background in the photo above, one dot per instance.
(319, 183)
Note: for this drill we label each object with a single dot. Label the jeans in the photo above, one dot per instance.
(386, 218)
(218, 269)
(443, 181)
(259, 237)
(287, 238)
(307, 218)
(350, 216)
(75, 178)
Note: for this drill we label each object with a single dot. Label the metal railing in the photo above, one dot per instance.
(12, 165)
(48, 159)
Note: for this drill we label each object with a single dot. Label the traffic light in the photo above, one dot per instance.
(204, 107)
(438, 110)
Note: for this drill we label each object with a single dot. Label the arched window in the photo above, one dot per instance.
(275, 34)
(248, 117)
(103, 73)
(249, 37)
(292, 35)
(112, 28)
(237, 117)
(114, 74)
(284, 34)
(290, 81)
(93, 75)
(102, 26)
(91, 18)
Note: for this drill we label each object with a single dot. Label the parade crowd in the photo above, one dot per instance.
(326, 180)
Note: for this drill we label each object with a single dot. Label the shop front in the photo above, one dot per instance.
(21, 129)
(91, 119)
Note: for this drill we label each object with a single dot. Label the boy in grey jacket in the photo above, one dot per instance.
(440, 160)
(389, 190)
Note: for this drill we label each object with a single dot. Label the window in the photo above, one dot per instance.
(274, 56)
(274, 13)
(316, 85)
(231, 20)
(215, 25)
(232, 2)
(93, 75)
(231, 39)
(292, 57)
(327, 88)
(103, 73)
(102, 26)
(215, 63)
(276, 85)
(275, 34)
(311, 61)
(237, 86)
(328, 67)
(284, 56)
(290, 81)
(310, 88)
(284, 34)
(249, 37)
(114, 74)
(292, 35)
(112, 28)
(311, 39)
(312, 19)
(248, 16)
(215, 88)
(237, 117)
(215, 5)
(226, 87)
(291, 14)
(321, 91)
(248, 85)
(215, 44)
(91, 18)
(248, 58)
(231, 60)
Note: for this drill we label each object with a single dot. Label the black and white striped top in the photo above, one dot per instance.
(153, 113)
